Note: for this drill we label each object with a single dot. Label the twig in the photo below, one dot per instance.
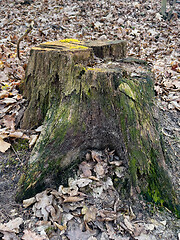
(22, 37)
(16, 153)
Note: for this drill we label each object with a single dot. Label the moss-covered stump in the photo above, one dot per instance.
(85, 105)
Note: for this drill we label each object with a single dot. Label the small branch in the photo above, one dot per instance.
(16, 153)
(22, 37)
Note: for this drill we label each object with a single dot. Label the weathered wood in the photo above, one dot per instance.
(108, 105)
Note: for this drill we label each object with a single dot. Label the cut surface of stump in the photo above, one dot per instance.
(88, 104)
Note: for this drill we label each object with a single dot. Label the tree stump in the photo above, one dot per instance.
(88, 95)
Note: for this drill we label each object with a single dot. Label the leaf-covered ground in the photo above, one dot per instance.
(150, 38)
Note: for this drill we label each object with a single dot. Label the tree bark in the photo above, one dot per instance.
(84, 103)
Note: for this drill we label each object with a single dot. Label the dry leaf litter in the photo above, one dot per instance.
(89, 208)
(150, 38)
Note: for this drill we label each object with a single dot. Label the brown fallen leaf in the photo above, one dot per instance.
(100, 170)
(4, 94)
(4, 228)
(14, 224)
(3, 76)
(96, 155)
(39, 208)
(61, 227)
(85, 168)
(8, 101)
(94, 178)
(75, 232)
(72, 199)
(107, 215)
(175, 105)
(3, 133)
(33, 139)
(9, 121)
(128, 224)
(82, 182)
(16, 134)
(89, 213)
(4, 146)
(30, 235)
(28, 202)
(56, 215)
(9, 236)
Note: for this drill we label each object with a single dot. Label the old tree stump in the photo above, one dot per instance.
(88, 96)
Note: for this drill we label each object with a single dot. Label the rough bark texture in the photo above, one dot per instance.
(82, 107)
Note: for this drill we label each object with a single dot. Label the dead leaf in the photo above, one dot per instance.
(82, 182)
(94, 178)
(4, 146)
(28, 202)
(97, 191)
(100, 169)
(88, 156)
(76, 233)
(14, 224)
(30, 235)
(66, 218)
(33, 139)
(72, 199)
(3, 133)
(4, 94)
(173, 105)
(9, 236)
(71, 191)
(61, 227)
(128, 224)
(86, 169)
(4, 228)
(16, 134)
(39, 129)
(8, 101)
(96, 155)
(9, 121)
(9, 229)
(132, 215)
(39, 208)
(56, 215)
(107, 215)
(89, 213)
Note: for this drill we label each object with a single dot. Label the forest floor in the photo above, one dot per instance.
(151, 38)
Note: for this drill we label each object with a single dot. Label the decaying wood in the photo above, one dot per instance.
(87, 104)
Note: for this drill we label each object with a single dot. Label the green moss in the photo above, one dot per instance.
(135, 102)
(127, 90)
(133, 170)
(21, 180)
(21, 144)
(49, 230)
(12, 161)
(160, 189)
